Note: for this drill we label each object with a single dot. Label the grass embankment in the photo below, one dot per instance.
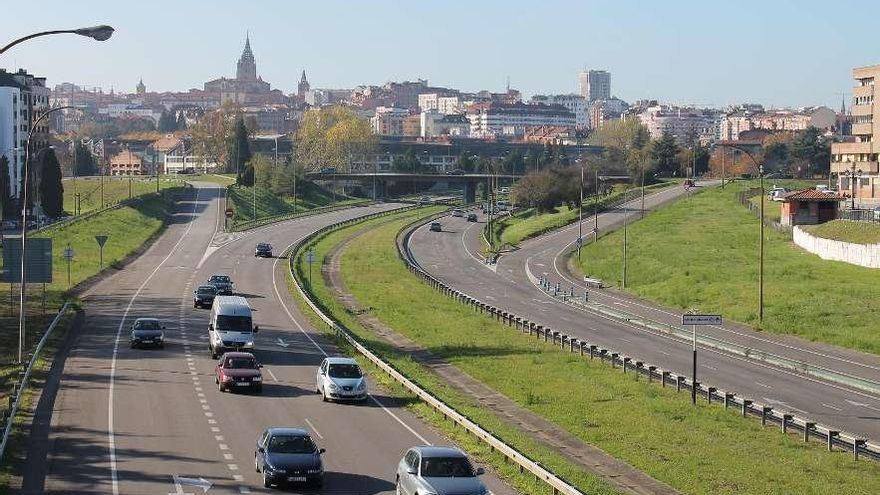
(115, 190)
(702, 254)
(309, 196)
(846, 231)
(530, 223)
(702, 449)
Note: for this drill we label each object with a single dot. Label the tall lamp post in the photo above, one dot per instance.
(855, 175)
(760, 169)
(99, 33)
(580, 240)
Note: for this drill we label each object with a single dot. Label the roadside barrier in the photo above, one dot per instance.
(767, 413)
(18, 388)
(557, 484)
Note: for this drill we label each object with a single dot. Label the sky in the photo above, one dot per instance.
(709, 53)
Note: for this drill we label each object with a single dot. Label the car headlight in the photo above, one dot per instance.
(249, 343)
(257, 379)
(227, 378)
(270, 468)
(363, 385)
(332, 386)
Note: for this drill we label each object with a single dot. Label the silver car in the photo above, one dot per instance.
(340, 378)
(439, 471)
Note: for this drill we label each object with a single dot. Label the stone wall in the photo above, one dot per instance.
(867, 255)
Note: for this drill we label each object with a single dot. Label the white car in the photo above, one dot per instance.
(439, 471)
(340, 378)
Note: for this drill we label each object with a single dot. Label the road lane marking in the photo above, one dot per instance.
(111, 440)
(271, 374)
(314, 429)
(762, 385)
(829, 406)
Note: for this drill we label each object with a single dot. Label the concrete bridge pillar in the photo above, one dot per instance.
(470, 192)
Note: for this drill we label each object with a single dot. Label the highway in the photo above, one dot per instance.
(129, 421)
(453, 257)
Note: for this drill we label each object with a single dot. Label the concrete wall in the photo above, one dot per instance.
(867, 255)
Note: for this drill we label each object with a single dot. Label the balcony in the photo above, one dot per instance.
(863, 91)
(862, 129)
(851, 148)
(870, 168)
(858, 110)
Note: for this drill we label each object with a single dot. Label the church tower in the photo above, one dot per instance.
(247, 66)
(303, 87)
(141, 87)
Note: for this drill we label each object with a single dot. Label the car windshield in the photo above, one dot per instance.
(240, 363)
(227, 323)
(344, 371)
(219, 278)
(446, 467)
(263, 246)
(207, 290)
(290, 444)
(147, 325)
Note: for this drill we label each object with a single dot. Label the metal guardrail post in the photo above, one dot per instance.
(746, 404)
(832, 434)
(765, 410)
(808, 427)
(786, 419)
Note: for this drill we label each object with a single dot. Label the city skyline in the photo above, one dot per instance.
(762, 63)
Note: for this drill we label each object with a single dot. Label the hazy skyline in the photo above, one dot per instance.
(781, 53)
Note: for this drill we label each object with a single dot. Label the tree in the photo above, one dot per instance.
(84, 161)
(263, 171)
(514, 163)
(5, 195)
(210, 135)
(731, 163)
(687, 160)
(811, 153)
(466, 162)
(51, 189)
(625, 144)
(664, 154)
(408, 162)
(181, 121)
(333, 137)
(167, 122)
(549, 188)
(283, 177)
(239, 152)
(246, 178)
(777, 152)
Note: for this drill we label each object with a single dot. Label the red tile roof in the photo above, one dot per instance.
(811, 195)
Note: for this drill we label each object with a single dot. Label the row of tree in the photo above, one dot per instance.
(171, 121)
(45, 182)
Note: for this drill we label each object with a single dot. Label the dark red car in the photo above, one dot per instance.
(238, 371)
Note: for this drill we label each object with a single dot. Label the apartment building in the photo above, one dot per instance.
(388, 121)
(741, 120)
(127, 162)
(24, 98)
(576, 104)
(490, 120)
(856, 162)
(595, 84)
(682, 122)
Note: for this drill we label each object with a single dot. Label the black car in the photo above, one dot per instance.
(222, 283)
(436, 227)
(263, 250)
(456, 171)
(204, 296)
(147, 332)
(471, 217)
(288, 455)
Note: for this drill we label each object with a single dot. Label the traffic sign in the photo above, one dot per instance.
(38, 260)
(580, 241)
(310, 257)
(68, 253)
(700, 319)
(229, 212)
(101, 240)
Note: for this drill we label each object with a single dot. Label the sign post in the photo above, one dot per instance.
(229, 213)
(68, 255)
(693, 320)
(101, 239)
(310, 258)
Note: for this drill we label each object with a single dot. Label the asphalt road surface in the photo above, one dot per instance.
(128, 421)
(453, 257)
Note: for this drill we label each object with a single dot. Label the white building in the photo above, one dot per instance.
(733, 124)
(514, 119)
(176, 162)
(595, 84)
(434, 123)
(683, 123)
(576, 104)
(23, 99)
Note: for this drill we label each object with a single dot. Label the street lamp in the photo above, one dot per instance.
(99, 33)
(24, 202)
(580, 211)
(855, 175)
(760, 169)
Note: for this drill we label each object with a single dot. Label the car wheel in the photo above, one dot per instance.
(266, 481)
(132, 345)
(258, 389)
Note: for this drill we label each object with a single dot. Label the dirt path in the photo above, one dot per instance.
(617, 473)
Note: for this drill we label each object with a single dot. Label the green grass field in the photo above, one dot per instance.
(115, 190)
(529, 223)
(702, 254)
(699, 450)
(847, 231)
(309, 196)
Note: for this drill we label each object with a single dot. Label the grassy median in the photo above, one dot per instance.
(269, 204)
(702, 254)
(702, 449)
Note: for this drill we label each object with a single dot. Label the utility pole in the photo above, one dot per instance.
(581, 214)
(625, 214)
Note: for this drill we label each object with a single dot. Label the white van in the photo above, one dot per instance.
(231, 326)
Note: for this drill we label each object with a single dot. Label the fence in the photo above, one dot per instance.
(558, 485)
(8, 415)
(748, 407)
(745, 197)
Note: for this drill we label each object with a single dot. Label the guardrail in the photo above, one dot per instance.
(8, 415)
(767, 413)
(558, 485)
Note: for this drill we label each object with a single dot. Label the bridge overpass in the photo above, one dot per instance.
(380, 180)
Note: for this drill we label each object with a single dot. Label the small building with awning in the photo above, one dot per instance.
(809, 207)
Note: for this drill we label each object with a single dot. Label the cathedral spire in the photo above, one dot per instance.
(303, 78)
(247, 65)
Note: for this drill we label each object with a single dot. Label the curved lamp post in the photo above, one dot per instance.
(99, 33)
(24, 203)
(760, 169)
